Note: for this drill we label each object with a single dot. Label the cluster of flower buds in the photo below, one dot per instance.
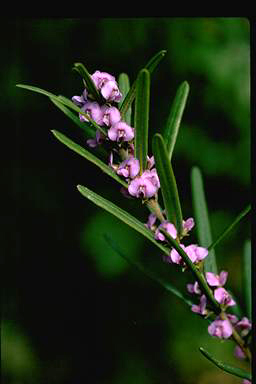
(144, 185)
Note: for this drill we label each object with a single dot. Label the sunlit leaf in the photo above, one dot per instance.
(201, 218)
(225, 367)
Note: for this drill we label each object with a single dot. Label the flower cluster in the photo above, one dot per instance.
(144, 185)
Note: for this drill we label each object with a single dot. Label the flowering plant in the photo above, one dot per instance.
(104, 112)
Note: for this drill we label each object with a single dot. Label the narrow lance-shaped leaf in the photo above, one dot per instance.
(202, 219)
(63, 100)
(168, 183)
(124, 86)
(174, 119)
(87, 128)
(230, 227)
(92, 90)
(122, 215)
(141, 118)
(247, 278)
(89, 156)
(151, 65)
(151, 273)
(225, 367)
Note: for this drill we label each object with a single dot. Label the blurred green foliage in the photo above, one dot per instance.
(88, 317)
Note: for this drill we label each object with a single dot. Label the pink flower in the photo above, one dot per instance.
(194, 288)
(194, 252)
(216, 280)
(245, 381)
(110, 115)
(169, 228)
(144, 186)
(111, 92)
(188, 225)
(220, 328)
(129, 168)
(93, 110)
(232, 318)
(121, 132)
(223, 297)
(201, 308)
(107, 86)
(93, 143)
(239, 353)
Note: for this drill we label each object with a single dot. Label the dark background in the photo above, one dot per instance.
(73, 310)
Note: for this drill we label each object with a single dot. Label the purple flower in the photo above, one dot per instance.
(220, 328)
(107, 85)
(151, 221)
(201, 308)
(245, 381)
(121, 132)
(110, 115)
(144, 186)
(129, 168)
(169, 228)
(232, 318)
(93, 110)
(194, 252)
(239, 353)
(194, 288)
(80, 100)
(223, 297)
(216, 280)
(188, 225)
(100, 78)
(93, 143)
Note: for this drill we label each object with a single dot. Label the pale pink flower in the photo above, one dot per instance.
(223, 297)
(107, 86)
(129, 168)
(194, 252)
(216, 280)
(220, 328)
(194, 288)
(169, 228)
(201, 308)
(144, 186)
(110, 115)
(80, 100)
(151, 221)
(93, 110)
(244, 325)
(188, 225)
(121, 131)
(100, 78)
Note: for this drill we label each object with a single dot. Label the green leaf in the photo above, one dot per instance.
(121, 215)
(247, 278)
(141, 118)
(174, 119)
(64, 100)
(168, 182)
(149, 272)
(92, 90)
(151, 65)
(225, 367)
(124, 86)
(89, 156)
(201, 218)
(230, 227)
(86, 127)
